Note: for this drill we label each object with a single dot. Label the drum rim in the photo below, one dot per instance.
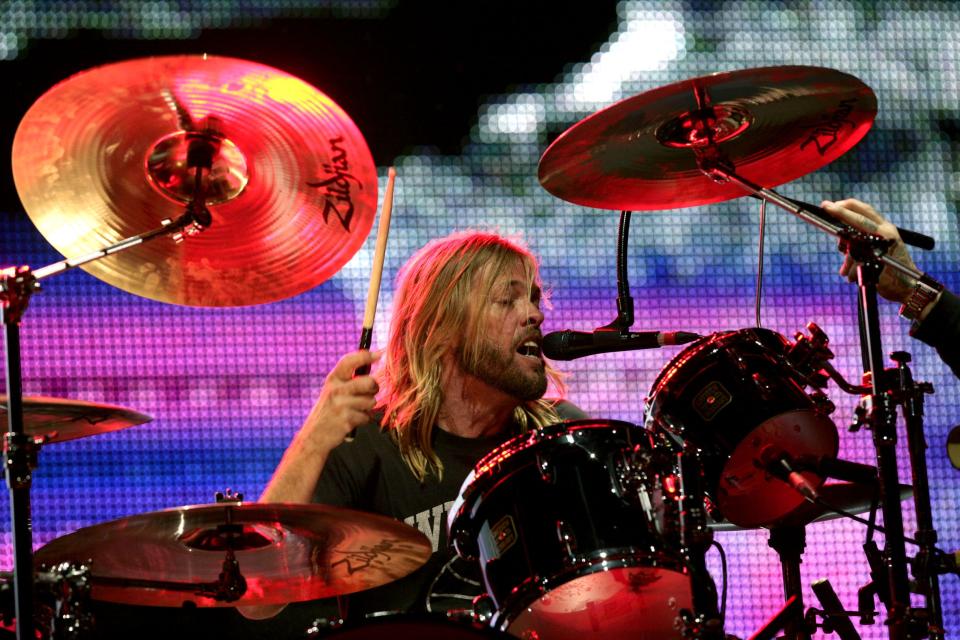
(478, 485)
(388, 618)
(717, 339)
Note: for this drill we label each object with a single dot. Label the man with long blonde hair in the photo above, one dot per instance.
(462, 372)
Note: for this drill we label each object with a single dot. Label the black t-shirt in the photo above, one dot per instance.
(368, 474)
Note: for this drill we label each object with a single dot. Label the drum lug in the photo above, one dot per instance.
(483, 609)
(567, 539)
(323, 626)
(544, 467)
(624, 473)
(822, 404)
(712, 509)
(763, 385)
(464, 545)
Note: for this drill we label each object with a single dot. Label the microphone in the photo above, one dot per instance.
(570, 345)
(782, 466)
(845, 470)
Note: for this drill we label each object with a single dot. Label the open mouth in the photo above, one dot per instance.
(530, 348)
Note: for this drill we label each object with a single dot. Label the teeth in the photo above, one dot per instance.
(530, 348)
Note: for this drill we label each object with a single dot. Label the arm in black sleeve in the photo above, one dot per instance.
(941, 330)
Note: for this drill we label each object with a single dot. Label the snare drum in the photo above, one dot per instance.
(567, 524)
(735, 397)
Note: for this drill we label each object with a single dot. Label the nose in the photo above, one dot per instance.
(534, 315)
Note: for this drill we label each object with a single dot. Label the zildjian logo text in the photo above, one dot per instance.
(825, 133)
(336, 185)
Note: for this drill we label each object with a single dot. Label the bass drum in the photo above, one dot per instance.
(392, 625)
(569, 527)
(735, 397)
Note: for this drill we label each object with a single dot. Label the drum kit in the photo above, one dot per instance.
(184, 179)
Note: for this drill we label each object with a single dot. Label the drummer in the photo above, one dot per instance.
(935, 321)
(461, 373)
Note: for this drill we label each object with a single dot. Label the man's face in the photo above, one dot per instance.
(509, 350)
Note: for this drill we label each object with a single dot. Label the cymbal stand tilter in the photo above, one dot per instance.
(870, 252)
(17, 285)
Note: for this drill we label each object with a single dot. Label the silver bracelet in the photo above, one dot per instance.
(924, 292)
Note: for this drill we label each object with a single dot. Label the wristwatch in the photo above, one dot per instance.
(924, 292)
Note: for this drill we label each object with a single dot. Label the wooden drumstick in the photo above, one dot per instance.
(373, 293)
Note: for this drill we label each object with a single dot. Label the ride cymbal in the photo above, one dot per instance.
(292, 190)
(774, 124)
(283, 552)
(59, 419)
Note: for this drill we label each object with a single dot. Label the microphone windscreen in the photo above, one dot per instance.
(554, 345)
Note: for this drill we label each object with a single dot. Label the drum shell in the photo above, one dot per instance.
(735, 398)
(562, 503)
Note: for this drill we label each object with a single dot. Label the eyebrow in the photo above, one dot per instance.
(535, 291)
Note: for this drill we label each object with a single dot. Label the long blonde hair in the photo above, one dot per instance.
(431, 314)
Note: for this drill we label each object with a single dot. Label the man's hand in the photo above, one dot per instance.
(893, 285)
(345, 402)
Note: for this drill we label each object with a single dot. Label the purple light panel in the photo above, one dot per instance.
(228, 388)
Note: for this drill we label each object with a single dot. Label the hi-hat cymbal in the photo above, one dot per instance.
(774, 124)
(850, 497)
(102, 156)
(285, 553)
(59, 419)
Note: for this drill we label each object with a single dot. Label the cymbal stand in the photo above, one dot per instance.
(870, 252)
(789, 543)
(925, 565)
(17, 285)
(695, 539)
(19, 451)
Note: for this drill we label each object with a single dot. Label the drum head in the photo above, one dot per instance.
(736, 399)
(642, 603)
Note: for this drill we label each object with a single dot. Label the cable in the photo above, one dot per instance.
(723, 572)
(763, 225)
(872, 526)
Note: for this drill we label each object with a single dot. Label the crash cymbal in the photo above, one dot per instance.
(59, 419)
(285, 553)
(774, 124)
(850, 497)
(102, 156)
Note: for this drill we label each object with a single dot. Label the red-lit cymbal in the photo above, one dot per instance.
(774, 124)
(284, 552)
(293, 189)
(59, 419)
